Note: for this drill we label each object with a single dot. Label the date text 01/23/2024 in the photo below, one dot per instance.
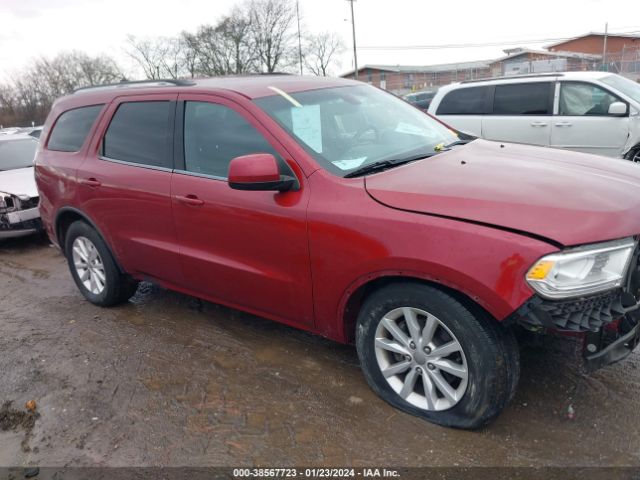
(315, 473)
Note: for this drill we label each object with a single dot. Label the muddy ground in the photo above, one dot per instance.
(170, 380)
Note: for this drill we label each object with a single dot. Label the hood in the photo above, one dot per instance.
(20, 181)
(567, 197)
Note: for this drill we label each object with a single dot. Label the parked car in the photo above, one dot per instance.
(19, 214)
(9, 130)
(35, 132)
(421, 100)
(592, 112)
(335, 207)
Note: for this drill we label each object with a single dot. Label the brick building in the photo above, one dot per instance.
(622, 55)
(520, 61)
(576, 54)
(405, 78)
(594, 43)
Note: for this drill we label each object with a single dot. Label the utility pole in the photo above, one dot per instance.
(355, 51)
(299, 36)
(604, 50)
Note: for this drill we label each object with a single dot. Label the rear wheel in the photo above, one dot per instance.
(430, 355)
(94, 269)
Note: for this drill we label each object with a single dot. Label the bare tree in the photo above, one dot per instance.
(271, 33)
(161, 57)
(29, 95)
(321, 51)
(235, 30)
(223, 48)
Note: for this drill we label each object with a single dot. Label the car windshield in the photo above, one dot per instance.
(629, 88)
(17, 153)
(347, 128)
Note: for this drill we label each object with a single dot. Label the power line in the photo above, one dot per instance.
(475, 45)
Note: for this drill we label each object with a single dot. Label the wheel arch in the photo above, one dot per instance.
(360, 290)
(631, 152)
(66, 216)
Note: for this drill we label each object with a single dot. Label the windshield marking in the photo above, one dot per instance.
(285, 95)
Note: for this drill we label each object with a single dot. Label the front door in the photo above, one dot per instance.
(246, 249)
(583, 122)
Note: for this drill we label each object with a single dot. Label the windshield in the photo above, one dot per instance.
(629, 88)
(17, 153)
(346, 128)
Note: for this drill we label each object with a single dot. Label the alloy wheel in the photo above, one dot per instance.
(421, 359)
(89, 265)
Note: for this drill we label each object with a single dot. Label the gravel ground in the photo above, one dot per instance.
(168, 380)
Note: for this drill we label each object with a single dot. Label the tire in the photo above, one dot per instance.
(633, 154)
(488, 352)
(102, 283)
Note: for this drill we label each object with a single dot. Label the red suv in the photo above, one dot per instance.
(340, 209)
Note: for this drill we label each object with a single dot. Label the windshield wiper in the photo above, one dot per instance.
(385, 164)
(459, 142)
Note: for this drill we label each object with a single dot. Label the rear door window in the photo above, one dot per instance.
(71, 129)
(523, 99)
(140, 133)
(464, 101)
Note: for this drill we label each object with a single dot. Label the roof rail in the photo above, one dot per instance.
(509, 77)
(126, 83)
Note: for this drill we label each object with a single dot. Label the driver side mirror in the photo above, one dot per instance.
(618, 108)
(258, 171)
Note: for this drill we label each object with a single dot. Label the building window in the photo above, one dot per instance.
(369, 76)
(408, 80)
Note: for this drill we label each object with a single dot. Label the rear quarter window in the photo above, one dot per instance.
(72, 127)
(464, 101)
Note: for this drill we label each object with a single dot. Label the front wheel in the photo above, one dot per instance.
(633, 154)
(430, 355)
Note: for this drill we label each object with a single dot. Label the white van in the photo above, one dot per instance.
(593, 112)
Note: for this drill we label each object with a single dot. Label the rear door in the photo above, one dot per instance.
(521, 113)
(583, 122)
(124, 185)
(247, 249)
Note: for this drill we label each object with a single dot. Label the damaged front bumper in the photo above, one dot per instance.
(609, 322)
(609, 350)
(19, 216)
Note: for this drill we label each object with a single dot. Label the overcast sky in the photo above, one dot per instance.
(44, 27)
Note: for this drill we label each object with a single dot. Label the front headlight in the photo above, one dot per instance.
(583, 270)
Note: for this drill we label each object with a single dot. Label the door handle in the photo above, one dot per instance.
(539, 124)
(564, 124)
(192, 200)
(90, 182)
